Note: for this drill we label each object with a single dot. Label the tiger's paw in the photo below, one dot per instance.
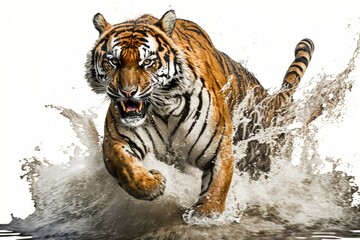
(204, 208)
(195, 215)
(148, 186)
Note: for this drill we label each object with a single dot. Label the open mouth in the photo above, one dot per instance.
(131, 106)
(132, 111)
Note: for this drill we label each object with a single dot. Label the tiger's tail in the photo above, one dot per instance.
(303, 53)
(274, 104)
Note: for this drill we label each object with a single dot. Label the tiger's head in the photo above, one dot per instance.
(137, 64)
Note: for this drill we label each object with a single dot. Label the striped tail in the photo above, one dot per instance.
(303, 52)
(275, 103)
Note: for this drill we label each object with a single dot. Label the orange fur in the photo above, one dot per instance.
(193, 90)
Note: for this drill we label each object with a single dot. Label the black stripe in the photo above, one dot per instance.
(297, 66)
(200, 44)
(207, 145)
(189, 47)
(197, 113)
(220, 59)
(103, 47)
(142, 39)
(157, 130)
(302, 60)
(141, 140)
(131, 143)
(305, 48)
(203, 127)
(192, 68)
(174, 83)
(160, 48)
(124, 38)
(226, 60)
(235, 68)
(199, 32)
(309, 42)
(162, 118)
(152, 141)
(176, 65)
(159, 62)
(172, 111)
(184, 112)
(133, 146)
(214, 79)
(252, 78)
(211, 163)
(133, 154)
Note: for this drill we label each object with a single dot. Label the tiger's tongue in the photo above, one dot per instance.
(132, 106)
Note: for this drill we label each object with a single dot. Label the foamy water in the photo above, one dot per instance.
(303, 192)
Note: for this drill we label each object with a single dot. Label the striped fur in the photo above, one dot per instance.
(303, 52)
(172, 94)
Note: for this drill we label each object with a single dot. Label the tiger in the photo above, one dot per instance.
(172, 95)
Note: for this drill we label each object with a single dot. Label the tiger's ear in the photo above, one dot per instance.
(100, 23)
(167, 22)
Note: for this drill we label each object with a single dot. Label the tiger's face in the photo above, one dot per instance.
(137, 65)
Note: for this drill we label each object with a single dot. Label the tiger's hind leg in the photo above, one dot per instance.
(257, 160)
(270, 112)
(257, 155)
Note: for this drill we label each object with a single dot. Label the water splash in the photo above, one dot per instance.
(79, 198)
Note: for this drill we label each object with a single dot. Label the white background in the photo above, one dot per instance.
(44, 45)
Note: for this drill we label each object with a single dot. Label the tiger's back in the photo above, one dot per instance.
(220, 70)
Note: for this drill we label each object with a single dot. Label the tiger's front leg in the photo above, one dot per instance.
(216, 181)
(131, 175)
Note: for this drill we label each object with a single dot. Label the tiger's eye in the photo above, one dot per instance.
(114, 61)
(147, 62)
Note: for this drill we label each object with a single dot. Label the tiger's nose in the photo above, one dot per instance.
(128, 92)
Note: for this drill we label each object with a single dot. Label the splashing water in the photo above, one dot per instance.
(80, 198)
